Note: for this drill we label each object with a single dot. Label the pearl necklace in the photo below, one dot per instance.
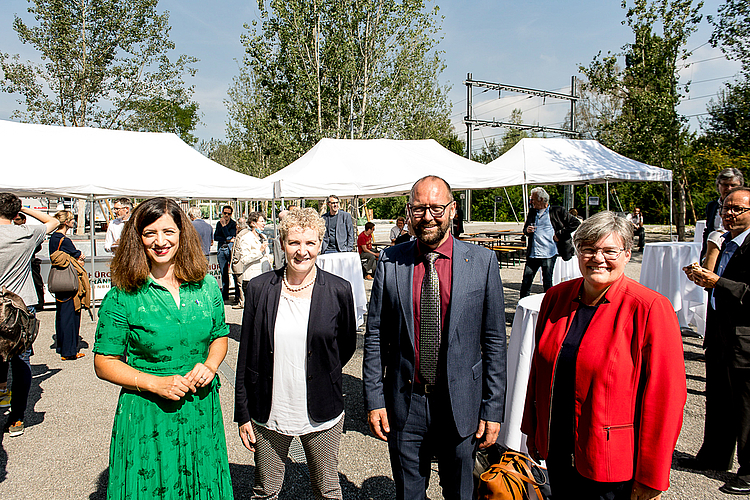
(299, 288)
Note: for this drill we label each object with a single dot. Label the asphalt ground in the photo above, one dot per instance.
(64, 451)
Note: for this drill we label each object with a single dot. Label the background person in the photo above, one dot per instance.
(242, 230)
(607, 384)
(226, 231)
(548, 229)
(368, 256)
(298, 332)
(122, 208)
(398, 229)
(727, 179)
(340, 232)
(434, 355)
(727, 353)
(36, 269)
(17, 246)
(636, 218)
(165, 315)
(255, 254)
(203, 228)
(67, 308)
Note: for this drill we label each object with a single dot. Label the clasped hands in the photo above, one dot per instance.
(175, 387)
(701, 276)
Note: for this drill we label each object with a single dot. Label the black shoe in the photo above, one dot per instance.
(698, 464)
(736, 486)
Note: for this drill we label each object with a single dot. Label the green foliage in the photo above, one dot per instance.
(732, 31)
(340, 68)
(647, 126)
(728, 125)
(388, 208)
(105, 64)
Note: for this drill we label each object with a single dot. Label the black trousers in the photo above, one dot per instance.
(720, 426)
(67, 326)
(566, 482)
(641, 233)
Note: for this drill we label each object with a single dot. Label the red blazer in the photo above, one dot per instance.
(630, 382)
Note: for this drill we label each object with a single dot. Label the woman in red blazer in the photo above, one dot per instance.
(607, 384)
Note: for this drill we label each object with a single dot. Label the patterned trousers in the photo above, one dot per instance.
(322, 452)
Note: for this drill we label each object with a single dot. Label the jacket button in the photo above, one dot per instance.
(409, 381)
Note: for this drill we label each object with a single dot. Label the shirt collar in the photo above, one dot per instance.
(445, 249)
(740, 239)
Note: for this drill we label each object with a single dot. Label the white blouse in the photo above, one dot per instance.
(289, 393)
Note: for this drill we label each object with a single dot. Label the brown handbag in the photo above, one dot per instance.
(62, 279)
(512, 478)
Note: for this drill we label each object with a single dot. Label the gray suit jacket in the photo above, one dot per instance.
(473, 350)
(345, 233)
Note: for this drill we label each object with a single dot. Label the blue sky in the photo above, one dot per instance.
(537, 44)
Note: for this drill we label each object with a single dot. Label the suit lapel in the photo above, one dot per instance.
(272, 305)
(404, 284)
(459, 281)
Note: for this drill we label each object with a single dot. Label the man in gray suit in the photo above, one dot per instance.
(434, 356)
(340, 234)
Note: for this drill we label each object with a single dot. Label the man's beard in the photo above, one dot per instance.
(433, 237)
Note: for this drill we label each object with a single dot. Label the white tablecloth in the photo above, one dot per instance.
(349, 266)
(661, 270)
(520, 349)
(565, 271)
(700, 226)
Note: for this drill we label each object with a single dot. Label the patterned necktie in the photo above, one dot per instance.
(429, 321)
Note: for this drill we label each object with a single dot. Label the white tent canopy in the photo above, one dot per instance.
(381, 167)
(84, 162)
(569, 161)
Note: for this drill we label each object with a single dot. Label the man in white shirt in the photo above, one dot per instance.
(17, 246)
(122, 209)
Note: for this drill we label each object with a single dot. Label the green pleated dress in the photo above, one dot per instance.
(163, 449)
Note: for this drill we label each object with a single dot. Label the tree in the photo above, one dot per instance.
(647, 127)
(105, 64)
(732, 31)
(728, 123)
(341, 69)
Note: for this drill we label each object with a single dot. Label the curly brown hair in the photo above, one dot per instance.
(131, 266)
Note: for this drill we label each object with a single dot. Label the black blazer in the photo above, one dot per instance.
(564, 225)
(331, 341)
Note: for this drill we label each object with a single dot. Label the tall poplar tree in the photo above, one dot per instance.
(105, 63)
(648, 127)
(335, 68)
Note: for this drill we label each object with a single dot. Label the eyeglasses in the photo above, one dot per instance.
(333, 202)
(610, 253)
(436, 211)
(226, 213)
(736, 211)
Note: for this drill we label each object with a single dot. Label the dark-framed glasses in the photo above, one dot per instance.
(609, 253)
(435, 210)
(733, 210)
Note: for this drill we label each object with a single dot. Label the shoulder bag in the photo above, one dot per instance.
(514, 477)
(62, 279)
(18, 327)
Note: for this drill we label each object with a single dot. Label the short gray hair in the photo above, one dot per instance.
(540, 193)
(599, 226)
(195, 213)
(241, 224)
(730, 174)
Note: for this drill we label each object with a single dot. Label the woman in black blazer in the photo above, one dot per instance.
(298, 332)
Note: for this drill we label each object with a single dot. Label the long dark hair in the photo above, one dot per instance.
(131, 266)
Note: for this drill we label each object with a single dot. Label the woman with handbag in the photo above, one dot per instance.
(235, 266)
(607, 384)
(67, 316)
(161, 336)
(298, 331)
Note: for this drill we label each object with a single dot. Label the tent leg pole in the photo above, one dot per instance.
(92, 227)
(607, 189)
(587, 201)
(670, 210)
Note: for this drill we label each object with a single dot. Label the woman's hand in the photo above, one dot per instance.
(247, 435)
(173, 387)
(200, 375)
(643, 492)
(82, 259)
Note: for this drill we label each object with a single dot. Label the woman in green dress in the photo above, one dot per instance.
(161, 336)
